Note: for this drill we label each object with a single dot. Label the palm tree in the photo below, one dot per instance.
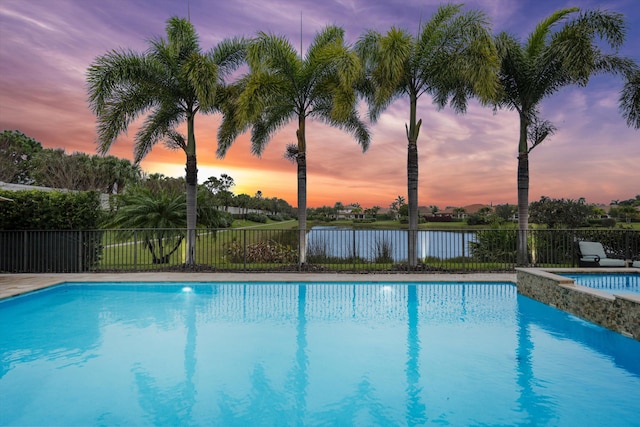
(283, 86)
(159, 215)
(451, 58)
(459, 212)
(171, 82)
(544, 64)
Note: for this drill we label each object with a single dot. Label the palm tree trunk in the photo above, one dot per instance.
(302, 191)
(412, 182)
(522, 253)
(192, 187)
(412, 193)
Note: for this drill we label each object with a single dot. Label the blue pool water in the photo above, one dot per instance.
(275, 354)
(621, 283)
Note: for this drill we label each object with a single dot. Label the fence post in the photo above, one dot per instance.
(80, 252)
(353, 239)
(135, 250)
(464, 267)
(25, 242)
(244, 244)
(574, 243)
(627, 246)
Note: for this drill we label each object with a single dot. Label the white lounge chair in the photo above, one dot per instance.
(592, 255)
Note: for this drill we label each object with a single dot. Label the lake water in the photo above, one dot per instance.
(366, 244)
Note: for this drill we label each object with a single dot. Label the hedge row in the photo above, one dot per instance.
(54, 210)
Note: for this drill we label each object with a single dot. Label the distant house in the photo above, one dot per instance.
(350, 212)
(464, 211)
(425, 211)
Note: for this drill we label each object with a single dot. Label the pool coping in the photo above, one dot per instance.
(16, 284)
(619, 312)
(568, 282)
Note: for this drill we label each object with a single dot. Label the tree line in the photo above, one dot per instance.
(451, 59)
(23, 160)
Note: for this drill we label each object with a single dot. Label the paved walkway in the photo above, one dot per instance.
(16, 284)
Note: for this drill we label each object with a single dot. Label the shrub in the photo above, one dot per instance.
(383, 251)
(256, 217)
(364, 221)
(317, 251)
(608, 222)
(267, 251)
(496, 245)
(385, 217)
(443, 218)
(476, 219)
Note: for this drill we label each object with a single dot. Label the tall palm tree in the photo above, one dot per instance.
(283, 86)
(171, 82)
(550, 59)
(451, 59)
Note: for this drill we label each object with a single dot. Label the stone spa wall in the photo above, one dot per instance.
(618, 312)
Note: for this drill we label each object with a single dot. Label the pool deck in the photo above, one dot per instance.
(17, 284)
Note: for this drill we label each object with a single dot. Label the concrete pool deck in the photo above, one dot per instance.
(17, 284)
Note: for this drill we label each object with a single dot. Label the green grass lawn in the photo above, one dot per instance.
(211, 247)
(271, 225)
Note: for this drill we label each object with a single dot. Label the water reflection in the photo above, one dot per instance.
(534, 407)
(416, 409)
(173, 404)
(300, 374)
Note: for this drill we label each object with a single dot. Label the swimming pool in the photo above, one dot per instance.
(308, 354)
(621, 283)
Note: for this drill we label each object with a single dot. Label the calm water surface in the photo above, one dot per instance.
(275, 354)
(367, 244)
(622, 283)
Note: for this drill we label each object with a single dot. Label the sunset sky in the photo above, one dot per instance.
(46, 47)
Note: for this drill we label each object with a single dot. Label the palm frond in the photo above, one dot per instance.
(538, 38)
(459, 59)
(182, 38)
(202, 75)
(350, 123)
(629, 103)
(385, 62)
(607, 26)
(430, 35)
(116, 116)
(274, 118)
(109, 74)
(269, 52)
(157, 126)
(229, 55)
(538, 131)
(262, 89)
(329, 36)
(232, 125)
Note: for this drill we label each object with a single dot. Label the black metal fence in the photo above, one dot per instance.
(327, 249)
